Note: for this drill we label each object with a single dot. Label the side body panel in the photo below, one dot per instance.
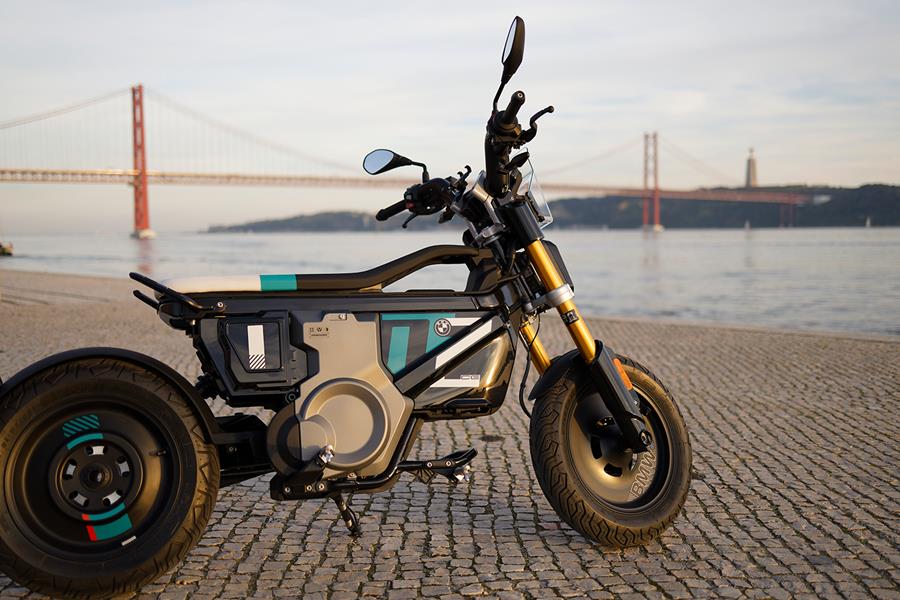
(436, 347)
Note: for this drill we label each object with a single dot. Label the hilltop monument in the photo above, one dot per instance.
(750, 179)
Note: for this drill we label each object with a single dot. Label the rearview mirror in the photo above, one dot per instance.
(381, 160)
(513, 49)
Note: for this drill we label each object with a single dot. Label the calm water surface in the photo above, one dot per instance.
(826, 279)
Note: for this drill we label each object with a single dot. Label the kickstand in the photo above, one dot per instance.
(347, 514)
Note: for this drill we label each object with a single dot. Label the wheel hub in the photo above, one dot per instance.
(94, 476)
(610, 469)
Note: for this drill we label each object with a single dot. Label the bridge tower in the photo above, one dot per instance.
(141, 205)
(651, 169)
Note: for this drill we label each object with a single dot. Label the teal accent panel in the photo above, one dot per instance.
(277, 283)
(79, 424)
(399, 347)
(434, 340)
(111, 530)
(87, 420)
(84, 438)
(103, 516)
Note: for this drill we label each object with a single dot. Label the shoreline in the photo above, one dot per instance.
(52, 291)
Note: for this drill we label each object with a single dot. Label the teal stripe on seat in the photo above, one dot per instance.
(277, 283)
(398, 348)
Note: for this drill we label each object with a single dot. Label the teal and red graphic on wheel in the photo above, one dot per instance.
(95, 474)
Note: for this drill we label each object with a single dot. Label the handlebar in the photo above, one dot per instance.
(394, 209)
(507, 119)
(503, 129)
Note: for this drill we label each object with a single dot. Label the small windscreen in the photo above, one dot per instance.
(531, 189)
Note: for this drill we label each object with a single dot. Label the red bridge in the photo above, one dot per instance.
(34, 140)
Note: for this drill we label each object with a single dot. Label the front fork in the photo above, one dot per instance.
(607, 374)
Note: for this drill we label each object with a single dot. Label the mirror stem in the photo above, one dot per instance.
(497, 95)
(425, 175)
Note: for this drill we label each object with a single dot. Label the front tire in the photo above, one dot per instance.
(107, 480)
(602, 490)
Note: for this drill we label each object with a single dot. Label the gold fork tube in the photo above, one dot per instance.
(539, 357)
(550, 277)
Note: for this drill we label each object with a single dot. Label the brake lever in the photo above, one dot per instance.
(408, 219)
(528, 135)
(461, 184)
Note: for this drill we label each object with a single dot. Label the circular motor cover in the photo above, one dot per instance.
(347, 414)
(350, 404)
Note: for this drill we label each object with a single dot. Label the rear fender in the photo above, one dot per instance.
(211, 429)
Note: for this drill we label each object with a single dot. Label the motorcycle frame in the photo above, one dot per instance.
(241, 438)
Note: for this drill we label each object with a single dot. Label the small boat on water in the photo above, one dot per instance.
(6, 248)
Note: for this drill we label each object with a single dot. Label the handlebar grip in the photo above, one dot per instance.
(394, 209)
(508, 117)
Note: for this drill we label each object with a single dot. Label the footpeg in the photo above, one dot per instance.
(455, 467)
(463, 474)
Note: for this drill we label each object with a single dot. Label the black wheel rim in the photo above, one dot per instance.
(613, 475)
(91, 477)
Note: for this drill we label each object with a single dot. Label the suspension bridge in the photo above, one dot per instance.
(65, 146)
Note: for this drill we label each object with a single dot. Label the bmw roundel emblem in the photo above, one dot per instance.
(442, 327)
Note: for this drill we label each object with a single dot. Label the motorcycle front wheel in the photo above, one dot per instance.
(595, 484)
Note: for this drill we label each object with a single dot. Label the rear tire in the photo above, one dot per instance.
(107, 479)
(608, 494)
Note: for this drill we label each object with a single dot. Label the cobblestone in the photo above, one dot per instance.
(789, 500)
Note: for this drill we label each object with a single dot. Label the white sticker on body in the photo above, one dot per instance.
(256, 347)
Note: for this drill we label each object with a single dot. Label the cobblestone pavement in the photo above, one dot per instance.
(788, 499)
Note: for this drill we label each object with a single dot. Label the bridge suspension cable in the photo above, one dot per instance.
(243, 135)
(679, 153)
(593, 158)
(62, 111)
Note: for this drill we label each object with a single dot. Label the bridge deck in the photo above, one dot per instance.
(127, 176)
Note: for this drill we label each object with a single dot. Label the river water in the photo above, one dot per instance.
(824, 279)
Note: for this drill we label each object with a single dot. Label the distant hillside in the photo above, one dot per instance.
(324, 221)
(847, 207)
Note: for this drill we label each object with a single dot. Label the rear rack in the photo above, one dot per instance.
(167, 293)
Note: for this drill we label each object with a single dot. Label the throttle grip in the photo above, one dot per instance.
(507, 118)
(394, 209)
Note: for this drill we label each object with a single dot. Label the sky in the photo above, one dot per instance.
(812, 86)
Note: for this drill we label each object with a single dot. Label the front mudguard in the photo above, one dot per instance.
(211, 429)
(613, 398)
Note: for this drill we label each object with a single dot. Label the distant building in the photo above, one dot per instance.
(750, 180)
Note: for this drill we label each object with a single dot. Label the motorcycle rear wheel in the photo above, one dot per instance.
(107, 480)
(594, 484)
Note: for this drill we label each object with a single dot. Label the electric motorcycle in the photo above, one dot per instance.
(112, 460)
